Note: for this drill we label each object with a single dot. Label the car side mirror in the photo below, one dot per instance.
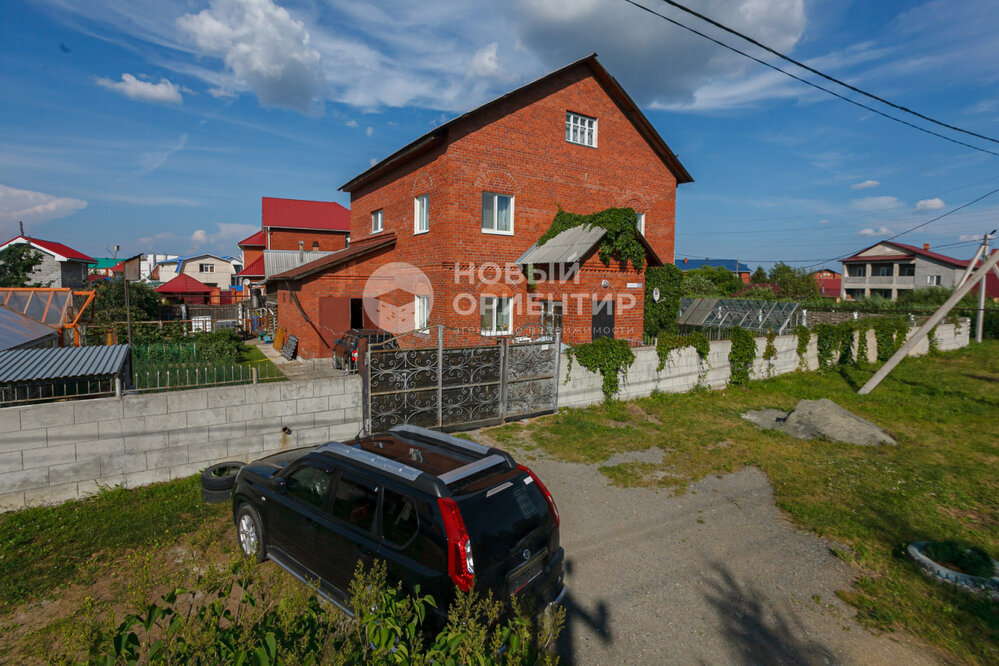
(280, 485)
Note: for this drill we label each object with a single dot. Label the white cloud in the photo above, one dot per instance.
(199, 237)
(30, 206)
(969, 237)
(351, 123)
(880, 231)
(222, 93)
(265, 48)
(875, 203)
(485, 64)
(369, 131)
(930, 204)
(154, 160)
(866, 185)
(144, 91)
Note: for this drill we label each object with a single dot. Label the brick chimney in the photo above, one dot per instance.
(926, 246)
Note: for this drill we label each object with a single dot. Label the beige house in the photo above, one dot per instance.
(208, 269)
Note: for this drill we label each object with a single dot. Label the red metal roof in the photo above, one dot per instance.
(258, 239)
(829, 286)
(256, 269)
(875, 258)
(333, 259)
(931, 255)
(299, 214)
(53, 248)
(183, 284)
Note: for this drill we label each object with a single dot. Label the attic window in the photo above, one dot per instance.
(580, 129)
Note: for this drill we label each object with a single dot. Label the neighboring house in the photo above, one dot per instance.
(733, 265)
(208, 269)
(103, 267)
(483, 188)
(889, 269)
(61, 266)
(829, 282)
(149, 263)
(183, 289)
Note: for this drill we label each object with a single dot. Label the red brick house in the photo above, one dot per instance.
(466, 202)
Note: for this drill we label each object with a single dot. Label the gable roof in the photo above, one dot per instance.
(180, 261)
(255, 240)
(183, 284)
(302, 214)
(60, 251)
(255, 269)
(105, 262)
(906, 252)
(438, 135)
(333, 259)
(574, 244)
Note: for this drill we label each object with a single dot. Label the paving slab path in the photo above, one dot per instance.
(714, 576)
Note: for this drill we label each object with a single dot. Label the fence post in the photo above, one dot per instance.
(440, 375)
(503, 379)
(254, 374)
(117, 387)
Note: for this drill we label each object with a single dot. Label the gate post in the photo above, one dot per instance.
(366, 392)
(504, 348)
(440, 375)
(558, 361)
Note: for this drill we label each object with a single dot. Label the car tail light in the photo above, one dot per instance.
(353, 356)
(544, 491)
(460, 566)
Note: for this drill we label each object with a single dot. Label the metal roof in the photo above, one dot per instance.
(18, 330)
(733, 265)
(279, 261)
(28, 365)
(334, 259)
(757, 316)
(569, 246)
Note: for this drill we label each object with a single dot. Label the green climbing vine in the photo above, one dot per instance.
(770, 352)
(607, 356)
(827, 340)
(661, 313)
(890, 334)
(697, 340)
(621, 240)
(862, 326)
(931, 338)
(741, 356)
(804, 335)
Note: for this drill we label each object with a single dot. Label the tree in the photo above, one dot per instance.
(16, 264)
(698, 286)
(794, 283)
(725, 281)
(759, 276)
(109, 301)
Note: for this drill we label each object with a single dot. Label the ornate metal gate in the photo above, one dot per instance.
(460, 387)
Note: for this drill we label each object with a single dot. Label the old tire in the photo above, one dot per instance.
(220, 476)
(930, 568)
(250, 532)
(216, 496)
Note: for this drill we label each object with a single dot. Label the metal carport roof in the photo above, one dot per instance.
(29, 365)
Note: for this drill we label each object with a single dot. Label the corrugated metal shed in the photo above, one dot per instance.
(569, 246)
(17, 330)
(279, 261)
(29, 365)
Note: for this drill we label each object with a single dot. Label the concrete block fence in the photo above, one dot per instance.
(58, 451)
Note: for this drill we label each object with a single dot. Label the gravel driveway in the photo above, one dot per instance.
(715, 576)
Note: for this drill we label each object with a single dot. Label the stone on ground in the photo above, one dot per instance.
(821, 419)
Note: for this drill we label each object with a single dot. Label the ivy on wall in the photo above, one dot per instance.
(660, 316)
(770, 352)
(741, 355)
(607, 356)
(621, 240)
(697, 340)
(803, 335)
(890, 333)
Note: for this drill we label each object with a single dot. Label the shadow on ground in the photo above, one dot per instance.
(578, 618)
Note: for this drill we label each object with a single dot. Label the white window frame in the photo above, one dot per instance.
(201, 268)
(421, 313)
(377, 221)
(495, 208)
(934, 280)
(496, 301)
(421, 214)
(641, 223)
(583, 128)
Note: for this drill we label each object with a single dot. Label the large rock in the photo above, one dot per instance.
(821, 419)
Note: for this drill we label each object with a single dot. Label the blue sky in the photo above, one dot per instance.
(158, 126)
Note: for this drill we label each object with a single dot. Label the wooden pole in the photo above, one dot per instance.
(980, 323)
(935, 318)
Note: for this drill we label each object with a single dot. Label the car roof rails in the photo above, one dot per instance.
(382, 463)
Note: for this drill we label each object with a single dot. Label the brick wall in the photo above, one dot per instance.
(58, 451)
(288, 239)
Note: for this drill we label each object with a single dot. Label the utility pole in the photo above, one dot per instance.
(981, 291)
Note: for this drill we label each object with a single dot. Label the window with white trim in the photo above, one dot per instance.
(497, 213)
(495, 315)
(580, 129)
(206, 268)
(421, 214)
(933, 280)
(376, 221)
(641, 223)
(422, 310)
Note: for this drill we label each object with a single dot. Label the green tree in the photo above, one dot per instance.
(661, 313)
(16, 264)
(109, 301)
(725, 281)
(698, 286)
(759, 276)
(794, 283)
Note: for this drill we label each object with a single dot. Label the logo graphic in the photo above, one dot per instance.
(395, 294)
(526, 554)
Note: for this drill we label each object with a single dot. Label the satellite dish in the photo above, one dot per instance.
(655, 294)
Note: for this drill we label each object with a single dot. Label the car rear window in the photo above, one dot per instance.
(497, 518)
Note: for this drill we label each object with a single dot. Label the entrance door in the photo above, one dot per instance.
(356, 313)
(603, 318)
(334, 319)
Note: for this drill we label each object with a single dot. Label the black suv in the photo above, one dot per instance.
(443, 512)
(347, 348)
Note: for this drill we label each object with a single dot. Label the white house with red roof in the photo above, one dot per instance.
(889, 269)
(61, 266)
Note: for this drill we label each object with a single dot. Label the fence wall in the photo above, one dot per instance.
(58, 451)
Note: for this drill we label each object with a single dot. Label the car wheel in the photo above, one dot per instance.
(220, 476)
(250, 532)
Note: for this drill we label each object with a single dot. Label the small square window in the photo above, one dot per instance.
(497, 213)
(376, 221)
(421, 214)
(580, 129)
(206, 268)
(933, 280)
(495, 316)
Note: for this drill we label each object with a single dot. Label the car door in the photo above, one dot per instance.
(294, 515)
(346, 532)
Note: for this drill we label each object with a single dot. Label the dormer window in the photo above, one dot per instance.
(580, 129)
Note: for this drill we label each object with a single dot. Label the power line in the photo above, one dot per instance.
(791, 60)
(809, 83)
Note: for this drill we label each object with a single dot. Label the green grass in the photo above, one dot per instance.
(43, 549)
(940, 482)
(265, 367)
